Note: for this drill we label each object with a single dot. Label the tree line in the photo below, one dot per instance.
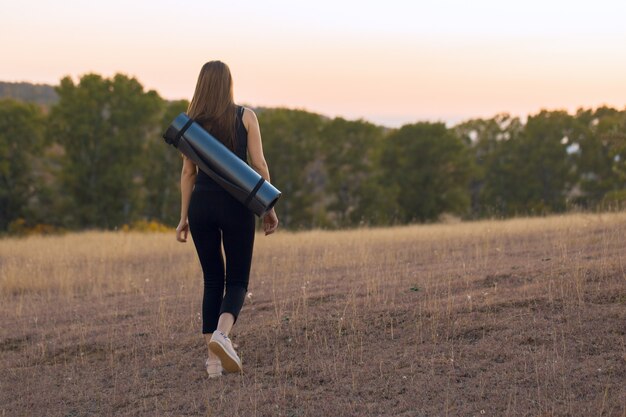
(43, 94)
(96, 159)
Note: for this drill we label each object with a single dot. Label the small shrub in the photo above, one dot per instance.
(20, 227)
(146, 226)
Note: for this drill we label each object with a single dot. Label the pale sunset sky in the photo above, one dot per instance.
(390, 62)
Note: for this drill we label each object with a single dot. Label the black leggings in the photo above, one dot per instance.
(214, 215)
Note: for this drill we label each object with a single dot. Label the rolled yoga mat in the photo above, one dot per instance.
(222, 165)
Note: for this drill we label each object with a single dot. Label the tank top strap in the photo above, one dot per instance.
(241, 135)
(239, 120)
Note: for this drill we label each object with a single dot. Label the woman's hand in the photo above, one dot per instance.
(270, 222)
(182, 229)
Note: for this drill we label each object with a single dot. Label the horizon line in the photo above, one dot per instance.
(450, 122)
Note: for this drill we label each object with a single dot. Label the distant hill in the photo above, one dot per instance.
(42, 94)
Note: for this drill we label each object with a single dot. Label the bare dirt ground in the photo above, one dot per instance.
(524, 317)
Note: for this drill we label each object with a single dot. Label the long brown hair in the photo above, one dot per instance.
(212, 104)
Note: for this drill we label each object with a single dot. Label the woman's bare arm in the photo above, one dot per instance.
(255, 147)
(187, 181)
(257, 160)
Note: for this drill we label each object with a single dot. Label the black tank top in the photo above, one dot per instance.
(203, 181)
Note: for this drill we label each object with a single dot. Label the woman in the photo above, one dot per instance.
(214, 217)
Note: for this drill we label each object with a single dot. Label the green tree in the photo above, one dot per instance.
(615, 138)
(487, 138)
(102, 125)
(531, 171)
(431, 168)
(291, 146)
(601, 162)
(161, 172)
(21, 141)
(349, 150)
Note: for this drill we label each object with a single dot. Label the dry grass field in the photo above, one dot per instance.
(523, 317)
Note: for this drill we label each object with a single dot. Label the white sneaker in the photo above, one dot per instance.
(213, 368)
(221, 345)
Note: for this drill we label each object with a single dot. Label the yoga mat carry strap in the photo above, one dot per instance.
(182, 131)
(253, 192)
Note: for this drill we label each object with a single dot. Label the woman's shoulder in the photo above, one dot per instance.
(247, 111)
(248, 116)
